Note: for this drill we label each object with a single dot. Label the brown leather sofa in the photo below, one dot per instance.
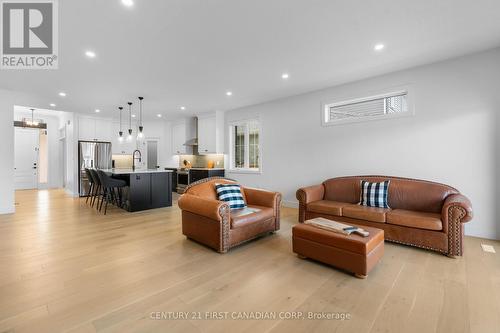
(423, 214)
(211, 222)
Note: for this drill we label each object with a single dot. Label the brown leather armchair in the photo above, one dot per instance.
(210, 221)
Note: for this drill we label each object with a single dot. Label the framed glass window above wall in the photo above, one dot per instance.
(244, 146)
(394, 104)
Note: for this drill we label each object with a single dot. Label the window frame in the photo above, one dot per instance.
(325, 107)
(245, 169)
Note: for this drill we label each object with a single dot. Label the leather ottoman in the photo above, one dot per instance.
(353, 253)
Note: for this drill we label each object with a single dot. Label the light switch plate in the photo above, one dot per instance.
(488, 248)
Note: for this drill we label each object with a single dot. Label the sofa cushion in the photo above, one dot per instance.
(421, 220)
(326, 207)
(373, 214)
(250, 214)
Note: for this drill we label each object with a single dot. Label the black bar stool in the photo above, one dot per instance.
(109, 186)
(97, 188)
(90, 193)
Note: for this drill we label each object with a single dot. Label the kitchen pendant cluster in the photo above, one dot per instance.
(140, 133)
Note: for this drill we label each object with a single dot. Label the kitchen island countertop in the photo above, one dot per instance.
(132, 171)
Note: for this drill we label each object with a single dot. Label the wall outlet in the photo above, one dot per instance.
(488, 248)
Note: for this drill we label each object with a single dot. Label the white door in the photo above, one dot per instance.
(152, 153)
(26, 158)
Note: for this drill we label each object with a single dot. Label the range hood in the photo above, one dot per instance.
(192, 142)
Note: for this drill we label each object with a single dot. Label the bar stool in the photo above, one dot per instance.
(91, 187)
(97, 188)
(109, 185)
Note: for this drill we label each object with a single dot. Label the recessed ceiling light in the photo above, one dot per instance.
(229, 93)
(90, 54)
(62, 94)
(285, 76)
(128, 3)
(183, 108)
(52, 105)
(97, 110)
(379, 47)
(133, 116)
(158, 115)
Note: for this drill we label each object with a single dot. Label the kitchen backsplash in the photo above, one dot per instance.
(122, 161)
(201, 161)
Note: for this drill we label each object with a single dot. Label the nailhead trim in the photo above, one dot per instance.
(455, 236)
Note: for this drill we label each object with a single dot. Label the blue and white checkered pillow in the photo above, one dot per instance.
(231, 193)
(374, 194)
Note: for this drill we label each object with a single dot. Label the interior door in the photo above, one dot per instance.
(152, 154)
(26, 158)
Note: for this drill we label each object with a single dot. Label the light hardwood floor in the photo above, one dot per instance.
(64, 267)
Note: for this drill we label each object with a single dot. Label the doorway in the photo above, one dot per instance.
(26, 145)
(152, 153)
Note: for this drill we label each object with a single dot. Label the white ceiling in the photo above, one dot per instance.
(190, 52)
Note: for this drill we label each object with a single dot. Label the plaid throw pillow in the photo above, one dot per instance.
(231, 193)
(374, 194)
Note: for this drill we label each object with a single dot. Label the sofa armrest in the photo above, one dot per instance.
(309, 194)
(266, 199)
(457, 210)
(461, 203)
(306, 195)
(212, 209)
(261, 197)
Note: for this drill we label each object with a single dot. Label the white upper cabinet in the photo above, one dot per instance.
(94, 129)
(211, 133)
(183, 132)
(179, 138)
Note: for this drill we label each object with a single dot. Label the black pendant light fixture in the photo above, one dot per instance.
(120, 133)
(140, 135)
(129, 137)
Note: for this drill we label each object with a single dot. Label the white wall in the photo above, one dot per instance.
(54, 160)
(452, 138)
(8, 99)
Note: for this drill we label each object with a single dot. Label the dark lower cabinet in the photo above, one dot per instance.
(149, 190)
(161, 193)
(195, 175)
(174, 178)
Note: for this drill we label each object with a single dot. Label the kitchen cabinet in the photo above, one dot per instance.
(199, 174)
(211, 133)
(146, 189)
(182, 132)
(94, 129)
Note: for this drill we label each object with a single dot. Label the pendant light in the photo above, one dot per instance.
(120, 133)
(140, 135)
(129, 137)
(32, 122)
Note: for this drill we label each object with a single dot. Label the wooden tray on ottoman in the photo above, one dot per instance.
(353, 253)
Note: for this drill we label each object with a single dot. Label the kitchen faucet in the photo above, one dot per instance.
(133, 158)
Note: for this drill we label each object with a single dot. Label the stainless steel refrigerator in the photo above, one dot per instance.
(92, 155)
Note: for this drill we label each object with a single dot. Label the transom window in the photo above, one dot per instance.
(245, 146)
(369, 108)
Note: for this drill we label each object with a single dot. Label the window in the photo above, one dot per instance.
(369, 108)
(245, 146)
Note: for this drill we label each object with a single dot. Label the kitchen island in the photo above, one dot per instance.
(147, 189)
